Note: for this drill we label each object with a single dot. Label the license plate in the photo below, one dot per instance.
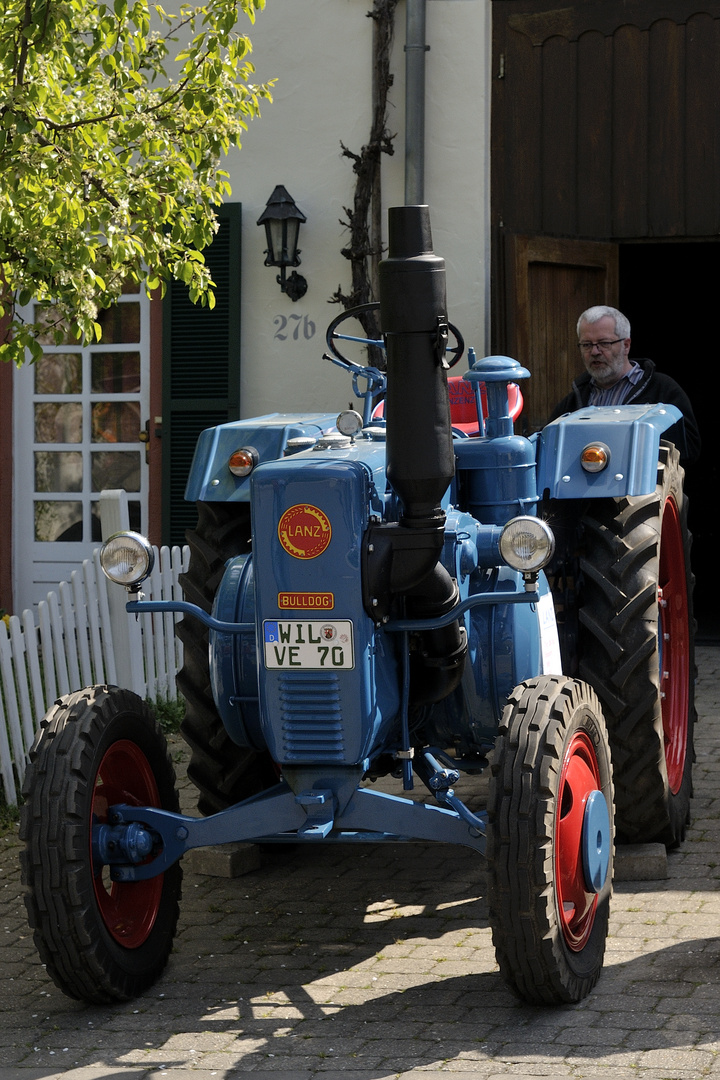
(314, 645)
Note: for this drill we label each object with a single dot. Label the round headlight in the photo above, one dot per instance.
(527, 544)
(127, 558)
(349, 422)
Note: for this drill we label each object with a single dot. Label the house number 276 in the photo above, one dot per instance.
(293, 326)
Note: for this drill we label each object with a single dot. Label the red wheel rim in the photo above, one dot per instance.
(577, 904)
(674, 634)
(128, 909)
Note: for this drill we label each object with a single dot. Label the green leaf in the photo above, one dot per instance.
(122, 172)
(35, 348)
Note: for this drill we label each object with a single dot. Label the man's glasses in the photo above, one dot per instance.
(588, 346)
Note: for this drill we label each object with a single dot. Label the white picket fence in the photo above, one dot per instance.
(82, 636)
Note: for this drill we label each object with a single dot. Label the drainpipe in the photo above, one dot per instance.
(415, 49)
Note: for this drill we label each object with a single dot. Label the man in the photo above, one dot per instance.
(612, 378)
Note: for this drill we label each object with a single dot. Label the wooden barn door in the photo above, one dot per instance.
(606, 118)
(605, 127)
(552, 282)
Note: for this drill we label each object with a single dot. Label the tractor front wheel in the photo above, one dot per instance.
(550, 840)
(102, 941)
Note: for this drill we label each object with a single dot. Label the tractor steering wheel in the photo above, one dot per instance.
(332, 336)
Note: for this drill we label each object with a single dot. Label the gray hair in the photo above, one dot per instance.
(594, 314)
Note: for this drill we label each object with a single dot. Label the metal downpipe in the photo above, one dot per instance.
(415, 49)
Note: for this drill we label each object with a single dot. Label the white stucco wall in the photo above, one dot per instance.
(320, 53)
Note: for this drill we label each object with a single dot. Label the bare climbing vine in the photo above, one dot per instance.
(364, 219)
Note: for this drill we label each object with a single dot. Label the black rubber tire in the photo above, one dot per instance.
(626, 548)
(223, 772)
(100, 942)
(544, 955)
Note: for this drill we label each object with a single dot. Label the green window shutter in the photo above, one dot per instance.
(201, 369)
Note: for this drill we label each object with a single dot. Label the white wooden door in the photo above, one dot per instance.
(78, 416)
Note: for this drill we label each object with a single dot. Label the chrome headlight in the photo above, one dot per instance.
(349, 422)
(127, 558)
(527, 544)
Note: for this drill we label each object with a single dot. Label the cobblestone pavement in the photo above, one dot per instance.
(377, 961)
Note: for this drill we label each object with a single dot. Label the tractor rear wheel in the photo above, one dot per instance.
(636, 645)
(223, 772)
(550, 840)
(101, 940)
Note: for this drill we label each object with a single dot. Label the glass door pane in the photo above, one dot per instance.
(81, 411)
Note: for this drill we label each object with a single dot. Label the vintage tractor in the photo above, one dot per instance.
(366, 598)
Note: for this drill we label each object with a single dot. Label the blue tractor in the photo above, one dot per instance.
(408, 596)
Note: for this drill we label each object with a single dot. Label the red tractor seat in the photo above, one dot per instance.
(463, 413)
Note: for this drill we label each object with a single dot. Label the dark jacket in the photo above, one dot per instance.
(654, 387)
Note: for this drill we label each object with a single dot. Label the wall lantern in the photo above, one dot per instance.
(282, 220)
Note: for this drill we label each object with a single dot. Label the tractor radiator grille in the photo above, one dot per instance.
(312, 717)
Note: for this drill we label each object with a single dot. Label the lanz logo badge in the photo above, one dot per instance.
(304, 531)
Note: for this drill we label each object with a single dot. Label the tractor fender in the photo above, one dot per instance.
(233, 657)
(629, 433)
(210, 479)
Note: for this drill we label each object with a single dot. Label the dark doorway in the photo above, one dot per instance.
(667, 291)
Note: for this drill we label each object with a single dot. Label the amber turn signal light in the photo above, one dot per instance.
(595, 457)
(242, 462)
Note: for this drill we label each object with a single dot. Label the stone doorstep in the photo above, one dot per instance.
(640, 862)
(224, 860)
(633, 862)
